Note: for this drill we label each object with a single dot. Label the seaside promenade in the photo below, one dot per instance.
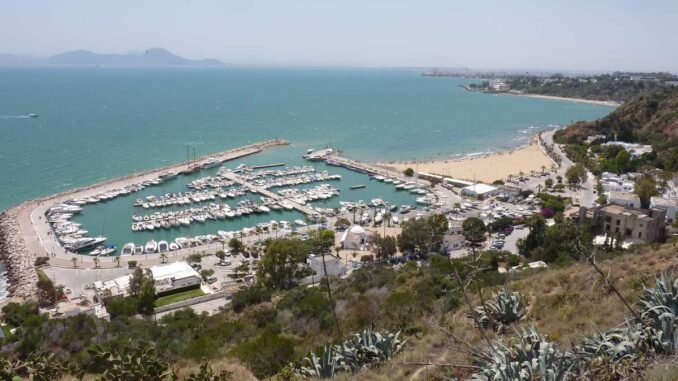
(25, 234)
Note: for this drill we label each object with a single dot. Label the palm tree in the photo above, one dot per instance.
(117, 261)
(75, 261)
(96, 262)
(163, 258)
(543, 168)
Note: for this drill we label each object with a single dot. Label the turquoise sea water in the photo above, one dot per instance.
(98, 123)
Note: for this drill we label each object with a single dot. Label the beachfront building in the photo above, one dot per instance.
(170, 277)
(479, 190)
(614, 183)
(452, 242)
(634, 225)
(630, 200)
(354, 238)
(670, 205)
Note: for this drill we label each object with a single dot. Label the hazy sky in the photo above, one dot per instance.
(536, 34)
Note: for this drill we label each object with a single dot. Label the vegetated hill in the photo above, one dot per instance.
(151, 57)
(650, 119)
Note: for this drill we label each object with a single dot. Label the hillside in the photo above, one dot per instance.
(650, 119)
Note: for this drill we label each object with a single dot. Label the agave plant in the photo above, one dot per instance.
(369, 347)
(531, 357)
(505, 308)
(325, 366)
(659, 306)
(138, 362)
(363, 349)
(617, 344)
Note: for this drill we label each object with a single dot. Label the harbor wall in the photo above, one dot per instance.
(22, 277)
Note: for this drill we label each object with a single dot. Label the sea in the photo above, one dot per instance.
(98, 123)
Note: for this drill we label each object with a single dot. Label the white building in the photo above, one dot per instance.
(354, 238)
(668, 204)
(479, 190)
(634, 149)
(453, 242)
(630, 200)
(454, 227)
(167, 277)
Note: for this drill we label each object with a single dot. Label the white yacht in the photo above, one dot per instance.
(151, 247)
(128, 249)
(300, 222)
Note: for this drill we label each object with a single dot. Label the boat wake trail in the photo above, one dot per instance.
(15, 117)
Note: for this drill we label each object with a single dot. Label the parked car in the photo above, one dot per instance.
(211, 279)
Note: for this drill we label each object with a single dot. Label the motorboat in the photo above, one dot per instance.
(173, 246)
(128, 249)
(138, 250)
(163, 247)
(183, 242)
(210, 163)
(151, 247)
(300, 222)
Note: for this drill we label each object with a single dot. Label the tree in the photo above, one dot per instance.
(235, 245)
(194, 258)
(622, 161)
(576, 174)
(136, 281)
(241, 270)
(342, 223)
(645, 187)
(163, 258)
(536, 236)
(47, 293)
(409, 172)
(147, 296)
(474, 230)
(96, 262)
(414, 236)
(438, 226)
(548, 183)
(284, 262)
(221, 255)
(75, 261)
(206, 273)
(384, 247)
(117, 261)
(559, 178)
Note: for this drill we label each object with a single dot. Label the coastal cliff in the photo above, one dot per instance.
(18, 260)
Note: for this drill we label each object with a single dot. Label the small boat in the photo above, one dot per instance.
(182, 242)
(359, 186)
(173, 246)
(128, 249)
(151, 247)
(300, 222)
(107, 250)
(138, 250)
(32, 115)
(395, 220)
(163, 246)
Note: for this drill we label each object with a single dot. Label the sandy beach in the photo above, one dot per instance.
(484, 168)
(578, 100)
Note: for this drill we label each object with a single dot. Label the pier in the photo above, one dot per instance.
(268, 165)
(27, 235)
(265, 192)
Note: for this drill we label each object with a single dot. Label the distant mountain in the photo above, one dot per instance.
(151, 57)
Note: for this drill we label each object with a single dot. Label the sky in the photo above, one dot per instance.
(576, 35)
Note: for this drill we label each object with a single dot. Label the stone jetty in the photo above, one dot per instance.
(19, 261)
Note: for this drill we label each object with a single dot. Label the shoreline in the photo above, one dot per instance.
(551, 97)
(25, 235)
(487, 167)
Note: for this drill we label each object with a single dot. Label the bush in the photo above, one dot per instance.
(39, 261)
(409, 172)
(117, 306)
(250, 296)
(266, 354)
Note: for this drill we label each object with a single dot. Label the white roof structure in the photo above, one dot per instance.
(357, 229)
(479, 189)
(163, 276)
